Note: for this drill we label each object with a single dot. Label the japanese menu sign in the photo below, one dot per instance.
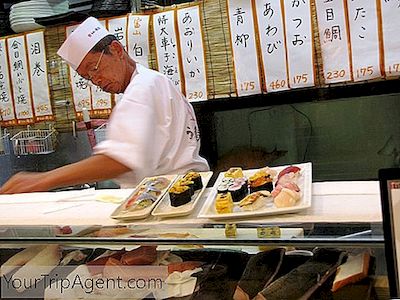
(138, 38)
(80, 86)
(7, 114)
(299, 42)
(333, 40)
(390, 10)
(191, 41)
(118, 26)
(101, 101)
(20, 79)
(272, 44)
(38, 76)
(166, 46)
(363, 22)
(243, 42)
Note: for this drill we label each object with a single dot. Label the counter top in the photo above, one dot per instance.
(332, 202)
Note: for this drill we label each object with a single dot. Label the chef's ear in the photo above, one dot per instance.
(116, 48)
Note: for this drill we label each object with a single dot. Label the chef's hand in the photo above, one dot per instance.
(25, 182)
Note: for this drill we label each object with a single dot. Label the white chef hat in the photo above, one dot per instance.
(81, 41)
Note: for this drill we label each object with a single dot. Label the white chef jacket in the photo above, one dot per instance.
(152, 130)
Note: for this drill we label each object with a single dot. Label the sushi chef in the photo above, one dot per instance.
(151, 131)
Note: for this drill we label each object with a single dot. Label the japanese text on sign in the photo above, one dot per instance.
(20, 79)
(190, 37)
(7, 114)
(363, 22)
(273, 44)
(166, 46)
(333, 40)
(299, 43)
(80, 86)
(244, 49)
(117, 26)
(138, 38)
(38, 76)
(100, 100)
(391, 39)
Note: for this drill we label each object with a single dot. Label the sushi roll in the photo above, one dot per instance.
(226, 182)
(261, 180)
(196, 178)
(238, 190)
(179, 195)
(188, 183)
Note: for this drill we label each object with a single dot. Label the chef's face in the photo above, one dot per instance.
(106, 68)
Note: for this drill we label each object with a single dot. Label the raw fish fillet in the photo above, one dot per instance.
(42, 264)
(20, 259)
(144, 255)
(261, 269)
(301, 282)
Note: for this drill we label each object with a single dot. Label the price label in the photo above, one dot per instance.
(23, 114)
(394, 69)
(268, 232)
(5, 112)
(301, 78)
(195, 95)
(83, 103)
(364, 71)
(246, 86)
(277, 84)
(335, 74)
(42, 108)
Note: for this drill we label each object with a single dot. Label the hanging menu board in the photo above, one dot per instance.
(118, 27)
(390, 10)
(299, 42)
(363, 22)
(101, 100)
(80, 86)
(38, 76)
(333, 40)
(243, 42)
(272, 44)
(20, 79)
(191, 41)
(166, 46)
(7, 114)
(138, 38)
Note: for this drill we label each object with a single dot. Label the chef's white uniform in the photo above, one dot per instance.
(152, 130)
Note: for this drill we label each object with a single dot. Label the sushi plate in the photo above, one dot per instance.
(304, 182)
(165, 210)
(121, 214)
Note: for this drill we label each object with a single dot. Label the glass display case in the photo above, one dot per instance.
(220, 261)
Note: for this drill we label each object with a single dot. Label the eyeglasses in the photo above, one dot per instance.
(92, 72)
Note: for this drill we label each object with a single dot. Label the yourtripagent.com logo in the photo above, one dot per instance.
(72, 282)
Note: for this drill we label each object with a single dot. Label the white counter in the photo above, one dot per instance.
(334, 202)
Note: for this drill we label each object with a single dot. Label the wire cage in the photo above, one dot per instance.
(38, 141)
(4, 143)
(100, 133)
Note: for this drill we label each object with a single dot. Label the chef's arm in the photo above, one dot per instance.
(95, 168)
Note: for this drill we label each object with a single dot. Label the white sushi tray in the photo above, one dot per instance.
(165, 210)
(304, 182)
(121, 214)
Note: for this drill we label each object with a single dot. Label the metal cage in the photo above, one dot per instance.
(38, 141)
(4, 143)
(100, 133)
